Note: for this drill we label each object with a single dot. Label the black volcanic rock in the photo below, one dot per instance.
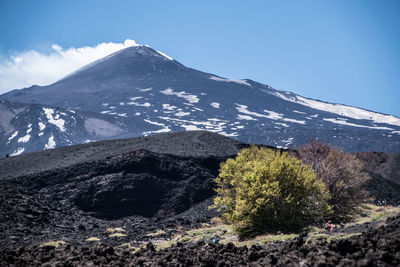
(66, 191)
(141, 184)
(192, 144)
(375, 247)
(138, 92)
(161, 183)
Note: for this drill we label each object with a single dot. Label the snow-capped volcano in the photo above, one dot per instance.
(141, 91)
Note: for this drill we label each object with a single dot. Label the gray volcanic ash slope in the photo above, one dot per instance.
(139, 91)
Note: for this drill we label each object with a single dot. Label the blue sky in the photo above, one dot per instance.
(342, 51)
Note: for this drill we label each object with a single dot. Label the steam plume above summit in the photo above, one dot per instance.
(26, 68)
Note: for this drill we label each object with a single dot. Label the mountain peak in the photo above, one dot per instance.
(140, 91)
(140, 51)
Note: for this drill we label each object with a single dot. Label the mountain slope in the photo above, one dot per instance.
(181, 144)
(31, 127)
(145, 92)
(141, 184)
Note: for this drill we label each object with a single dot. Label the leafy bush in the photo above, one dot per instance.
(262, 189)
(342, 173)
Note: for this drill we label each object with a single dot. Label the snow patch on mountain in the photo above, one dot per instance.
(189, 127)
(165, 128)
(212, 124)
(281, 124)
(286, 143)
(348, 111)
(245, 117)
(50, 143)
(197, 109)
(24, 139)
(146, 104)
(215, 104)
(155, 123)
(12, 136)
(41, 125)
(218, 79)
(168, 107)
(190, 98)
(165, 55)
(299, 112)
(182, 114)
(18, 152)
(54, 120)
(344, 122)
(271, 114)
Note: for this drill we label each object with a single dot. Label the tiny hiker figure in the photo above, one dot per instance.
(328, 226)
(216, 240)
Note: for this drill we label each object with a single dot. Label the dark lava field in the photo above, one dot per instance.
(157, 183)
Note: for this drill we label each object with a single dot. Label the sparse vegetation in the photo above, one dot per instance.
(365, 213)
(372, 214)
(342, 173)
(312, 238)
(156, 233)
(54, 244)
(93, 239)
(262, 189)
(117, 235)
(113, 230)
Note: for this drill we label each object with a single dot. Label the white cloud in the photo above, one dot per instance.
(27, 68)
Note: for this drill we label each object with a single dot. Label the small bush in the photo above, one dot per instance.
(262, 189)
(54, 244)
(342, 173)
(93, 239)
(117, 235)
(156, 233)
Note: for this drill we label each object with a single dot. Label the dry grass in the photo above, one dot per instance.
(55, 244)
(93, 239)
(156, 233)
(312, 238)
(117, 235)
(264, 239)
(113, 230)
(215, 221)
(366, 213)
(373, 213)
(226, 235)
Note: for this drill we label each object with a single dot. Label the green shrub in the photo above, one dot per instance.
(262, 190)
